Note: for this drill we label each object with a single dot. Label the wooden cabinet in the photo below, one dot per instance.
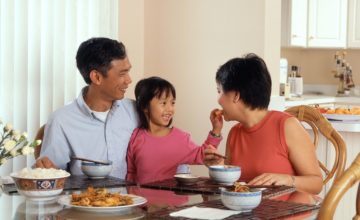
(314, 23)
(354, 24)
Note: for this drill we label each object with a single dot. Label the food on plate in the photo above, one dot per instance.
(238, 187)
(100, 198)
(340, 111)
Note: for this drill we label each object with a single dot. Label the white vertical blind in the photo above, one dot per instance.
(38, 43)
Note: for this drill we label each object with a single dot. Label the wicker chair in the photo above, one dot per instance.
(39, 136)
(318, 123)
(338, 189)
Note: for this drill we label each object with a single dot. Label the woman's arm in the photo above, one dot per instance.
(303, 159)
(302, 155)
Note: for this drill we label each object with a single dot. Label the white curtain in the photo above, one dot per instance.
(38, 43)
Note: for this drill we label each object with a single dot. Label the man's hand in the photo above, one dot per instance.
(44, 162)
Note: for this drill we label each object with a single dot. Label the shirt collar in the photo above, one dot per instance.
(85, 108)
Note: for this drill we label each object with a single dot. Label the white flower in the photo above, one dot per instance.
(26, 150)
(2, 161)
(0, 121)
(13, 152)
(25, 135)
(15, 132)
(8, 127)
(14, 143)
(38, 142)
(17, 137)
(9, 145)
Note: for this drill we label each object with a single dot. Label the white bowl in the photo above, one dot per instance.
(39, 189)
(241, 201)
(96, 170)
(186, 179)
(224, 174)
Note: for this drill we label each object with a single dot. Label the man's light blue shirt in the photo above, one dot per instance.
(74, 131)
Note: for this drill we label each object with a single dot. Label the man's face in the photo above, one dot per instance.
(114, 85)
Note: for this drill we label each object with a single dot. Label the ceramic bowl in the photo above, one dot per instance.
(39, 188)
(186, 179)
(241, 201)
(96, 170)
(224, 174)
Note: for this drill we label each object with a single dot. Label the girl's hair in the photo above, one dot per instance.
(147, 89)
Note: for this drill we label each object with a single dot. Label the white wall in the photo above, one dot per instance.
(186, 41)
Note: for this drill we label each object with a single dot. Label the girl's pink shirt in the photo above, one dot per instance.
(151, 158)
(261, 148)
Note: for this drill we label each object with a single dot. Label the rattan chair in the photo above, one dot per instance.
(338, 189)
(39, 136)
(318, 123)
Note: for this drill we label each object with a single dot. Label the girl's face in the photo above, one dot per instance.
(161, 110)
(227, 102)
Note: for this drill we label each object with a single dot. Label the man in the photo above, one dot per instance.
(99, 123)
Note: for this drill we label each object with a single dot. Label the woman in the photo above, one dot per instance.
(271, 147)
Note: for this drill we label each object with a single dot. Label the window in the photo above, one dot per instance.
(38, 43)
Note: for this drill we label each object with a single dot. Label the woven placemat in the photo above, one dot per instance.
(205, 185)
(268, 209)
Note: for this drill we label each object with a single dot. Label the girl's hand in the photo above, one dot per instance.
(211, 156)
(216, 121)
(273, 179)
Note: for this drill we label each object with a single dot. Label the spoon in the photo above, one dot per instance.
(89, 160)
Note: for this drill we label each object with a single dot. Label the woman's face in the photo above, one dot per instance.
(227, 101)
(161, 110)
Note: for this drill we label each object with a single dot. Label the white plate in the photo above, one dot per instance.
(339, 117)
(66, 200)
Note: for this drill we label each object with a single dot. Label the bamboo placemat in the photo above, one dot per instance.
(268, 209)
(205, 185)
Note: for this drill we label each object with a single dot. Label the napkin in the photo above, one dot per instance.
(204, 213)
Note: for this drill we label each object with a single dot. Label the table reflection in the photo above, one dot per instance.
(15, 206)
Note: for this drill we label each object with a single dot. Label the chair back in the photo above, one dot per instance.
(39, 136)
(338, 189)
(318, 122)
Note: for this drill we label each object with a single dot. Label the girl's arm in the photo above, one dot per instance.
(131, 167)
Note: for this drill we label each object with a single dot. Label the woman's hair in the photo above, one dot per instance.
(97, 54)
(147, 89)
(249, 77)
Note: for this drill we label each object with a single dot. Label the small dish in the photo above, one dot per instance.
(186, 179)
(96, 170)
(224, 174)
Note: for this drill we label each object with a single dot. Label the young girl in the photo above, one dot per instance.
(156, 148)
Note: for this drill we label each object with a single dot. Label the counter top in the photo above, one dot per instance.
(322, 99)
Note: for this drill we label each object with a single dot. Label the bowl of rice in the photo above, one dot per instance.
(40, 184)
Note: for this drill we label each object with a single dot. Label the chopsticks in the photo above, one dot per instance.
(89, 160)
(219, 155)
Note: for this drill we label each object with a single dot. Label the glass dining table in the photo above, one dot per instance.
(162, 199)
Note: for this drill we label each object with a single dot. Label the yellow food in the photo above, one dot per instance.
(100, 198)
(238, 187)
(344, 111)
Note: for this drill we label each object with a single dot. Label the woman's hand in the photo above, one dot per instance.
(273, 179)
(211, 156)
(216, 121)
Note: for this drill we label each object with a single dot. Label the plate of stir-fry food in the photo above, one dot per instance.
(100, 200)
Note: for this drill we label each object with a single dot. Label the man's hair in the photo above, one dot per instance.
(249, 77)
(97, 54)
